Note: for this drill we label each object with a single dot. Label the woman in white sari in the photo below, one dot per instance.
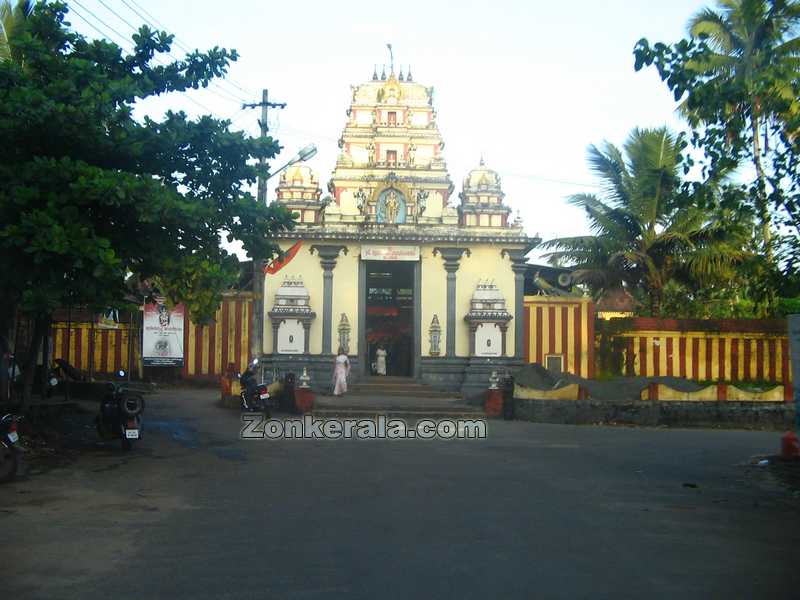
(341, 370)
(380, 360)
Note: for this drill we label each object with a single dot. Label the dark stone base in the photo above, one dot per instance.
(469, 376)
(479, 370)
(318, 367)
(742, 415)
(445, 374)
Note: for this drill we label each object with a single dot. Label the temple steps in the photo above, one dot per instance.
(403, 387)
(395, 397)
(352, 413)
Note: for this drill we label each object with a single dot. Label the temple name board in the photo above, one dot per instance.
(390, 252)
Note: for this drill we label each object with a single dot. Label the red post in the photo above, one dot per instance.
(722, 392)
(652, 391)
(790, 446)
(494, 403)
(304, 399)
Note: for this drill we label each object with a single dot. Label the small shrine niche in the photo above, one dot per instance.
(488, 320)
(291, 317)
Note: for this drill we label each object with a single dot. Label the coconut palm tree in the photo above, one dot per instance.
(643, 237)
(749, 38)
(12, 22)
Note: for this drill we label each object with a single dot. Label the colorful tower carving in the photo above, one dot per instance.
(391, 170)
(299, 191)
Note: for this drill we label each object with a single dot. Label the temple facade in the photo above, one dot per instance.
(394, 257)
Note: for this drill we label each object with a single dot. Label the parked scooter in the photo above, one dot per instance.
(255, 396)
(121, 414)
(9, 448)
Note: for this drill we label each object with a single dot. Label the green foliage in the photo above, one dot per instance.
(788, 306)
(646, 234)
(739, 78)
(90, 195)
(13, 21)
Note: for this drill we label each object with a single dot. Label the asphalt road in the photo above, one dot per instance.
(534, 511)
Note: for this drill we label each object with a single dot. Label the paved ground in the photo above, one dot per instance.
(534, 511)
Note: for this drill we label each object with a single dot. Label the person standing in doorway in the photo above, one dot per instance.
(380, 360)
(341, 370)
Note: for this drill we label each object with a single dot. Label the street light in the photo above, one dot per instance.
(305, 153)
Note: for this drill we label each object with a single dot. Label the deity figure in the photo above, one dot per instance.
(371, 153)
(412, 153)
(422, 200)
(392, 207)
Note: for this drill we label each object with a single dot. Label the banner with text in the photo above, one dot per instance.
(390, 252)
(162, 335)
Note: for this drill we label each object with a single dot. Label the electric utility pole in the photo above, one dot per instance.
(257, 331)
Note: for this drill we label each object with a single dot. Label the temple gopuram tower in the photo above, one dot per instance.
(393, 256)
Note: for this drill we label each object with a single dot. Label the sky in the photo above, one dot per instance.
(528, 85)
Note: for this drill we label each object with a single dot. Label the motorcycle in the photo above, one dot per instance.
(121, 414)
(9, 448)
(255, 396)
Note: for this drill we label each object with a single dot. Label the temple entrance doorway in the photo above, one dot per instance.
(390, 317)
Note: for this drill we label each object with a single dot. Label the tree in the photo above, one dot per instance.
(90, 195)
(13, 20)
(645, 235)
(738, 78)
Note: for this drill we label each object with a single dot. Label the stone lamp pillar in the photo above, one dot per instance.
(435, 335)
(303, 396)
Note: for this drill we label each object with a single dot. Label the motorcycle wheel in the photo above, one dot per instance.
(127, 445)
(9, 463)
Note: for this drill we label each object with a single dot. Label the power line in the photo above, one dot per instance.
(119, 35)
(125, 46)
(156, 24)
(222, 93)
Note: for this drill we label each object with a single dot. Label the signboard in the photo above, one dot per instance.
(291, 337)
(390, 252)
(488, 340)
(162, 335)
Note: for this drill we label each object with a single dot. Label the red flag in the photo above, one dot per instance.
(280, 262)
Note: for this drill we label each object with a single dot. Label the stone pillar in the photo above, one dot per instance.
(519, 265)
(276, 323)
(473, 330)
(306, 334)
(451, 257)
(327, 259)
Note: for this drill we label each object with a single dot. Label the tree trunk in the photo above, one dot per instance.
(29, 365)
(761, 198)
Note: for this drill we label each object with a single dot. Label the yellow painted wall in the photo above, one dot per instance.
(306, 265)
(345, 294)
(482, 263)
(434, 298)
(345, 297)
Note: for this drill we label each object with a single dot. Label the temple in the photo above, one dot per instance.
(392, 256)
